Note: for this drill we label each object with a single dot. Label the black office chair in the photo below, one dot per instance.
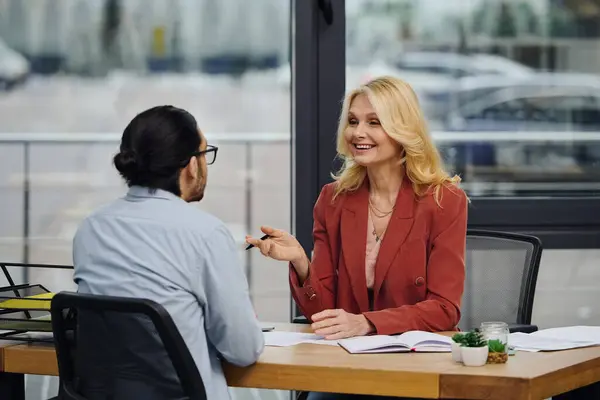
(120, 348)
(501, 275)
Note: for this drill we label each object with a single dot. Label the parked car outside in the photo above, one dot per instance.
(14, 68)
(547, 123)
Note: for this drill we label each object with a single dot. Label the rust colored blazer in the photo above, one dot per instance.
(420, 269)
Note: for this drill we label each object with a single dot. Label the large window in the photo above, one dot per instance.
(511, 91)
(513, 106)
(73, 73)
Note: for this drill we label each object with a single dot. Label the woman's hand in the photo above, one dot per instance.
(282, 246)
(339, 324)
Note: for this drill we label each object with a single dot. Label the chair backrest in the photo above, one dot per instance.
(120, 348)
(501, 275)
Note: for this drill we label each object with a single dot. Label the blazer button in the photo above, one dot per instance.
(310, 293)
(420, 281)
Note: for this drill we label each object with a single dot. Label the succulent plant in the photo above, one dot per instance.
(473, 338)
(458, 338)
(496, 346)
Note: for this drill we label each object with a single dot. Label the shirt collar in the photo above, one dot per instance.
(137, 192)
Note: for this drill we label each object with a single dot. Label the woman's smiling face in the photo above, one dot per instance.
(368, 143)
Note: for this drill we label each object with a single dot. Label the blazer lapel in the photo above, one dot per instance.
(399, 226)
(354, 242)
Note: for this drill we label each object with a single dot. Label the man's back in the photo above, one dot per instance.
(156, 246)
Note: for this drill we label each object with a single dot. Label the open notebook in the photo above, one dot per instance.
(418, 341)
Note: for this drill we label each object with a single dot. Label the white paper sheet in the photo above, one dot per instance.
(572, 333)
(554, 339)
(283, 339)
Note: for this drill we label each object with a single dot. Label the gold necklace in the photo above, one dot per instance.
(377, 238)
(377, 210)
(378, 214)
(374, 233)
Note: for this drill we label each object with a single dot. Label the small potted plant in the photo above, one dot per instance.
(457, 341)
(474, 349)
(497, 353)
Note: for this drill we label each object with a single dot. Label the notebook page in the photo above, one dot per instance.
(433, 349)
(388, 349)
(372, 344)
(421, 338)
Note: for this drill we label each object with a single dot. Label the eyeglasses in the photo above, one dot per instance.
(210, 153)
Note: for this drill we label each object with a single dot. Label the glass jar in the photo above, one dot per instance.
(496, 333)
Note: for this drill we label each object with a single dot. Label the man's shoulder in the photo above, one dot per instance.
(100, 211)
(205, 228)
(179, 215)
(199, 220)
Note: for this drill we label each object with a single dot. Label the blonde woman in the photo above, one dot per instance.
(389, 232)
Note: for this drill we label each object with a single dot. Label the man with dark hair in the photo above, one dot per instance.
(162, 148)
(152, 244)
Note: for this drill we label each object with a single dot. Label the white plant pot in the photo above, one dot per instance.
(474, 356)
(456, 352)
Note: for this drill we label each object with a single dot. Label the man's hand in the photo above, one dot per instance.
(339, 324)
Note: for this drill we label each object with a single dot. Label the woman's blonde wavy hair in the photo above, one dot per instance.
(400, 115)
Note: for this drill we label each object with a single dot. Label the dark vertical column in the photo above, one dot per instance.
(26, 208)
(318, 85)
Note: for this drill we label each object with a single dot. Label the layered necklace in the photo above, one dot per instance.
(377, 213)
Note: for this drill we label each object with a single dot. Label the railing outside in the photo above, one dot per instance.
(50, 181)
(41, 166)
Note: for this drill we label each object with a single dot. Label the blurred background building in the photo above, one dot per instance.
(511, 89)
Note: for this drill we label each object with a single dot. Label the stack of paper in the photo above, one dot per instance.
(570, 337)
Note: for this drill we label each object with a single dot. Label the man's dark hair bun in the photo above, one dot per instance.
(126, 163)
(154, 145)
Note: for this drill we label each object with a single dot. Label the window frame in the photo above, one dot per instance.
(560, 222)
(318, 85)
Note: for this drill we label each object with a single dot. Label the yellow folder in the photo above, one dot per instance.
(26, 304)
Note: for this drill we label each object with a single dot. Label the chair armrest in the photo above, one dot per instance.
(523, 328)
(301, 320)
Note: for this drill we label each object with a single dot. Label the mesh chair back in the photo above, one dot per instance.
(501, 274)
(120, 348)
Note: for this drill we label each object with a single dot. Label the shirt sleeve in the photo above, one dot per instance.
(230, 320)
(318, 291)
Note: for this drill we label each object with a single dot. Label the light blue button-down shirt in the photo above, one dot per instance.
(157, 246)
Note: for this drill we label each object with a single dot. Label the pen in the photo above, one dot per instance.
(262, 238)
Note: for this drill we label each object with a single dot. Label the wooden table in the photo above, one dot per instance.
(310, 367)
